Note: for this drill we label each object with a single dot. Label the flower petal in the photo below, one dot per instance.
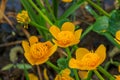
(73, 63)
(26, 46)
(41, 60)
(48, 44)
(29, 58)
(54, 30)
(33, 40)
(117, 35)
(101, 52)
(80, 52)
(52, 50)
(78, 34)
(68, 26)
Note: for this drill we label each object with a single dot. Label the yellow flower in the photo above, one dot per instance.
(67, 36)
(117, 77)
(23, 18)
(38, 52)
(32, 76)
(64, 75)
(117, 37)
(88, 60)
(66, 1)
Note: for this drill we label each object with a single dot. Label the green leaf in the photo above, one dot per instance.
(7, 67)
(114, 22)
(71, 9)
(101, 24)
(62, 63)
(22, 66)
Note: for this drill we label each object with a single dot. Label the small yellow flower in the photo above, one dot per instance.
(37, 52)
(83, 74)
(67, 36)
(117, 77)
(88, 60)
(32, 76)
(64, 75)
(23, 18)
(66, 1)
(117, 37)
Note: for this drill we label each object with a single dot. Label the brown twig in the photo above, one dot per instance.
(9, 44)
(39, 73)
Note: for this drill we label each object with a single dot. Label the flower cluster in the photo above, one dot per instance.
(23, 18)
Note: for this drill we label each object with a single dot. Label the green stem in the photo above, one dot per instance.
(108, 75)
(89, 75)
(52, 65)
(76, 74)
(38, 26)
(87, 31)
(98, 8)
(68, 52)
(55, 7)
(98, 74)
(110, 38)
(51, 11)
(40, 12)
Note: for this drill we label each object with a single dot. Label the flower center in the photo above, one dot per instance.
(38, 50)
(90, 60)
(65, 37)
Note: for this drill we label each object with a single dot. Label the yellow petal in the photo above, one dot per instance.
(45, 74)
(32, 76)
(117, 35)
(119, 68)
(78, 34)
(80, 52)
(101, 52)
(68, 26)
(26, 46)
(29, 58)
(83, 74)
(41, 60)
(54, 30)
(58, 77)
(52, 50)
(117, 41)
(66, 71)
(73, 63)
(48, 44)
(33, 39)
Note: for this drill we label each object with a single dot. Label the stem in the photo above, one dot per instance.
(68, 52)
(102, 70)
(38, 26)
(40, 12)
(76, 74)
(55, 7)
(98, 74)
(52, 65)
(49, 8)
(98, 7)
(108, 35)
(89, 75)
(39, 72)
(87, 31)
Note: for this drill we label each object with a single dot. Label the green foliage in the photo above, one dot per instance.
(101, 24)
(62, 63)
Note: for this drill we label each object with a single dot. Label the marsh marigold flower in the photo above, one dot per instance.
(66, 1)
(66, 36)
(117, 77)
(37, 52)
(117, 37)
(64, 75)
(88, 60)
(23, 18)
